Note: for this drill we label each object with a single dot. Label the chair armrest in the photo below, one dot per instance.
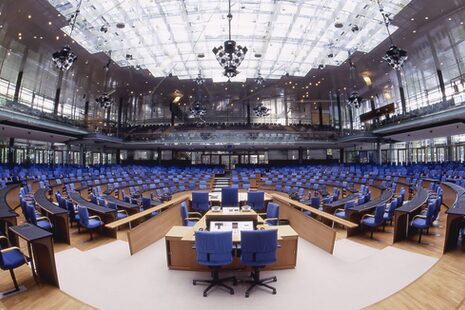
(43, 218)
(419, 216)
(195, 213)
(367, 215)
(261, 214)
(95, 217)
(123, 211)
(272, 219)
(193, 218)
(3, 237)
(338, 210)
(10, 249)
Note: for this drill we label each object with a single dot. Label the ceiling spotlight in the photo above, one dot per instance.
(138, 67)
(129, 57)
(321, 67)
(64, 58)
(104, 101)
(230, 55)
(330, 55)
(338, 25)
(261, 111)
(104, 29)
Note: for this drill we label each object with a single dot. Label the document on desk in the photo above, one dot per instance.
(235, 227)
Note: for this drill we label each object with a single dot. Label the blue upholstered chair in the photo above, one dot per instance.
(214, 249)
(342, 212)
(200, 202)
(422, 222)
(147, 204)
(73, 214)
(389, 212)
(41, 222)
(120, 214)
(373, 220)
(11, 258)
(89, 222)
(229, 197)
(272, 214)
(189, 218)
(256, 200)
(258, 249)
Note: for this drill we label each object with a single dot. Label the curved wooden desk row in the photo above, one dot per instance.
(455, 215)
(58, 216)
(405, 213)
(180, 240)
(8, 202)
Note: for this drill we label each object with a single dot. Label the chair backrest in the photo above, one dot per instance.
(31, 214)
(229, 197)
(430, 212)
(272, 211)
(256, 200)
(83, 215)
(200, 201)
(112, 205)
(146, 203)
(101, 201)
(213, 248)
(379, 214)
(349, 204)
(258, 247)
(71, 211)
(184, 213)
(315, 202)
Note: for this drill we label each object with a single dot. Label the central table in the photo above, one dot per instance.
(180, 240)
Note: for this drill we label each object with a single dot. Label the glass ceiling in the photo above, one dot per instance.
(281, 36)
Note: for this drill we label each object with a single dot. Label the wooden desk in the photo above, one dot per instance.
(356, 213)
(40, 248)
(155, 228)
(455, 215)
(308, 228)
(181, 255)
(58, 216)
(404, 214)
(107, 215)
(8, 217)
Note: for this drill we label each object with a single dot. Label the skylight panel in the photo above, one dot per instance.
(163, 34)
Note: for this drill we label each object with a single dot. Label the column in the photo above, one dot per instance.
(11, 152)
(248, 112)
(450, 149)
(118, 156)
(57, 93)
(401, 92)
(159, 156)
(118, 125)
(82, 159)
(378, 152)
(19, 79)
(66, 159)
(341, 155)
(339, 110)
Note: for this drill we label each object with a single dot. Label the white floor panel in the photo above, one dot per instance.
(355, 276)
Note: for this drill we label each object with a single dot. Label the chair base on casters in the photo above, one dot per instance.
(256, 281)
(216, 281)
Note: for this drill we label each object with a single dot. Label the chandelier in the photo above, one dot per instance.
(104, 101)
(65, 58)
(259, 80)
(394, 56)
(197, 109)
(230, 55)
(261, 111)
(354, 99)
